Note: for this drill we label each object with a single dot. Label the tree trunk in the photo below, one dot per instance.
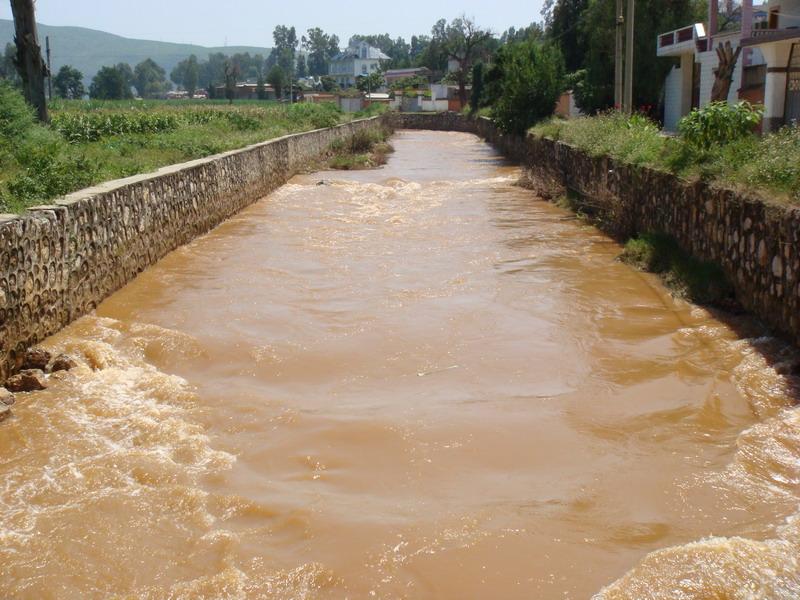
(31, 66)
(462, 83)
(723, 74)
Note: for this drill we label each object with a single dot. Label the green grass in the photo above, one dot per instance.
(769, 165)
(699, 281)
(90, 141)
(363, 150)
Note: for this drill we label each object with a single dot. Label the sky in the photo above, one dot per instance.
(250, 22)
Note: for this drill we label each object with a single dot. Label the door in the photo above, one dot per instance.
(792, 110)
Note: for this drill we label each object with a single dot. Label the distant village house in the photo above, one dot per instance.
(247, 91)
(359, 59)
(393, 75)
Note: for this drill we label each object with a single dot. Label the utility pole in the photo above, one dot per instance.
(629, 43)
(49, 69)
(29, 62)
(618, 56)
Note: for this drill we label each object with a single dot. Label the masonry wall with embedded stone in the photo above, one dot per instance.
(58, 262)
(756, 242)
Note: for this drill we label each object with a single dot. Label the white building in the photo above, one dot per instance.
(764, 72)
(358, 60)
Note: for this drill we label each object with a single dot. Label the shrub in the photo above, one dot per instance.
(242, 121)
(16, 117)
(699, 281)
(531, 83)
(635, 139)
(324, 114)
(719, 123)
(47, 171)
(92, 126)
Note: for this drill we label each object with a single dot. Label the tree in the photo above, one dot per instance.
(276, 78)
(149, 79)
(8, 66)
(369, 83)
(320, 47)
(69, 83)
(477, 88)
(283, 54)
(186, 74)
(596, 27)
(111, 83)
(419, 45)
(533, 79)
(328, 83)
(462, 40)
(212, 72)
(430, 51)
(231, 74)
(302, 69)
(723, 74)
(127, 75)
(30, 65)
(563, 19)
(261, 90)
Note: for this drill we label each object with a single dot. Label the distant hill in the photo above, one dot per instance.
(89, 49)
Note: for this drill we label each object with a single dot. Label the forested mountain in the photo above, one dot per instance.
(89, 49)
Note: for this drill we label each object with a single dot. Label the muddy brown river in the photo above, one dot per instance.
(413, 382)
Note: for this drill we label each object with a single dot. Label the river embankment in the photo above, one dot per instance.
(59, 261)
(419, 381)
(754, 241)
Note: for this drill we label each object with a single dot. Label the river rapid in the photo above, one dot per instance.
(419, 381)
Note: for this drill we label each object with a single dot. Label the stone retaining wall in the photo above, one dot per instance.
(757, 243)
(58, 262)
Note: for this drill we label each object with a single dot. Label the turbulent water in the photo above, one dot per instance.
(413, 382)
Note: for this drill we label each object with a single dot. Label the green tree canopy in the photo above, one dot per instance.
(8, 69)
(283, 54)
(150, 79)
(277, 79)
(462, 42)
(532, 80)
(320, 47)
(186, 74)
(302, 67)
(111, 83)
(584, 31)
(369, 82)
(69, 83)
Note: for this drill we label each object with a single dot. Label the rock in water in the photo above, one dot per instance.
(5, 411)
(6, 397)
(29, 380)
(36, 358)
(62, 362)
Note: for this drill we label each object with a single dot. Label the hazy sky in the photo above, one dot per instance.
(250, 22)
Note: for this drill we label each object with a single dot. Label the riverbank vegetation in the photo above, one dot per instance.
(363, 150)
(701, 282)
(716, 143)
(93, 141)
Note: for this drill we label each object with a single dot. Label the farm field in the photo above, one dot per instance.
(89, 142)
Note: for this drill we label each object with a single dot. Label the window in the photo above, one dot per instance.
(753, 77)
(774, 13)
(364, 69)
